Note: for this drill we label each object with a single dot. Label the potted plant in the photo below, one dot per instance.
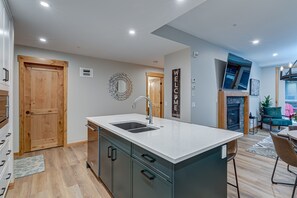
(267, 102)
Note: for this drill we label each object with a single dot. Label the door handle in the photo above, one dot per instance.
(2, 142)
(109, 151)
(8, 152)
(90, 127)
(148, 158)
(27, 112)
(3, 162)
(3, 191)
(9, 175)
(148, 174)
(114, 154)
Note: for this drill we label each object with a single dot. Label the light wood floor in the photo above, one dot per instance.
(66, 175)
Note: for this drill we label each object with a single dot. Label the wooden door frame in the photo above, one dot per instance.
(159, 75)
(39, 61)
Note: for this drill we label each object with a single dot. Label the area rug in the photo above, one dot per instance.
(264, 148)
(28, 166)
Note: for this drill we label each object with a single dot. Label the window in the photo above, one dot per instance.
(291, 93)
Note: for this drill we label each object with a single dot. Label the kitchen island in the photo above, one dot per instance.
(175, 159)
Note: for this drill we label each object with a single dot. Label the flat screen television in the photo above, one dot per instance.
(237, 73)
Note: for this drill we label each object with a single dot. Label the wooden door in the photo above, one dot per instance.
(43, 102)
(155, 92)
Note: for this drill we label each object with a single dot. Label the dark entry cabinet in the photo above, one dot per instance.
(115, 168)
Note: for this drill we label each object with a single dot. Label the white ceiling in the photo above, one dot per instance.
(99, 28)
(272, 21)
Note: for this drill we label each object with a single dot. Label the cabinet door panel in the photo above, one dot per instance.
(148, 184)
(1, 40)
(121, 174)
(105, 162)
(6, 40)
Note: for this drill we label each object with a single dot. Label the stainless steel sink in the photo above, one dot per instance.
(134, 127)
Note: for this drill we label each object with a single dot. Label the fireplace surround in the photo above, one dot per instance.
(238, 101)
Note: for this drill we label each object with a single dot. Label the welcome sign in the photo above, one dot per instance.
(176, 93)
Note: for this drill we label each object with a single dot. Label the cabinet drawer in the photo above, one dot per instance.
(147, 183)
(5, 178)
(4, 155)
(116, 140)
(160, 165)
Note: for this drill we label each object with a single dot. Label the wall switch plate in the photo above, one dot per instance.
(195, 54)
(224, 151)
(193, 80)
(193, 86)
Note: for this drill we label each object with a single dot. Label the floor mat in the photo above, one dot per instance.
(28, 166)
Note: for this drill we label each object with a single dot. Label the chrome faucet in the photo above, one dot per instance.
(150, 116)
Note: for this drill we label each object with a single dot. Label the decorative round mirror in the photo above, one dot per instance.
(120, 86)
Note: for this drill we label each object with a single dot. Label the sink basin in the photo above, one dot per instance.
(129, 125)
(134, 127)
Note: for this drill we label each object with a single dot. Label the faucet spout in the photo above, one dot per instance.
(150, 116)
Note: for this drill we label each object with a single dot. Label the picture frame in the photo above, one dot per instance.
(254, 87)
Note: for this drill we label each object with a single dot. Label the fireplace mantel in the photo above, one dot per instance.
(222, 108)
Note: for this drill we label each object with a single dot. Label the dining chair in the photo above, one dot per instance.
(286, 152)
(231, 153)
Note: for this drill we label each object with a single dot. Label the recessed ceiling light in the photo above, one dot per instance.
(275, 54)
(132, 32)
(256, 42)
(44, 4)
(180, 1)
(43, 40)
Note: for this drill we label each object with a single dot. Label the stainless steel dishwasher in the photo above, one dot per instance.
(93, 148)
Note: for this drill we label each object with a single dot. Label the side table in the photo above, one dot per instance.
(254, 121)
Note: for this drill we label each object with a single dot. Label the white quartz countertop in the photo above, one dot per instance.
(174, 141)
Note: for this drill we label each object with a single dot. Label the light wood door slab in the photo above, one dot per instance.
(43, 98)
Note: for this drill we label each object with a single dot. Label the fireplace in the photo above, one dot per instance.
(233, 117)
(233, 110)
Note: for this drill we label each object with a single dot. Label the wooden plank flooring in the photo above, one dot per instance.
(66, 175)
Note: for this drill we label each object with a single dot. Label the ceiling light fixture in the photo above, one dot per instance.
(43, 40)
(44, 4)
(132, 32)
(275, 54)
(256, 42)
(290, 74)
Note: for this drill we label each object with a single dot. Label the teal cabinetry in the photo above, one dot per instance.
(130, 171)
(147, 183)
(105, 162)
(115, 166)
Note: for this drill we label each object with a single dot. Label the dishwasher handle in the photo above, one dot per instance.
(87, 125)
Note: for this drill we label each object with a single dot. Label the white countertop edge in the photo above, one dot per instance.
(174, 161)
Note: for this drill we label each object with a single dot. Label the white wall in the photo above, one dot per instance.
(204, 70)
(180, 59)
(86, 96)
(268, 86)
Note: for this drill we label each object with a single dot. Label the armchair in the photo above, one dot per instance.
(273, 117)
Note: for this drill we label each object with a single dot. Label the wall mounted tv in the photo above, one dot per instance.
(237, 73)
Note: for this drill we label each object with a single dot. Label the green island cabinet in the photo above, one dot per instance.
(129, 171)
